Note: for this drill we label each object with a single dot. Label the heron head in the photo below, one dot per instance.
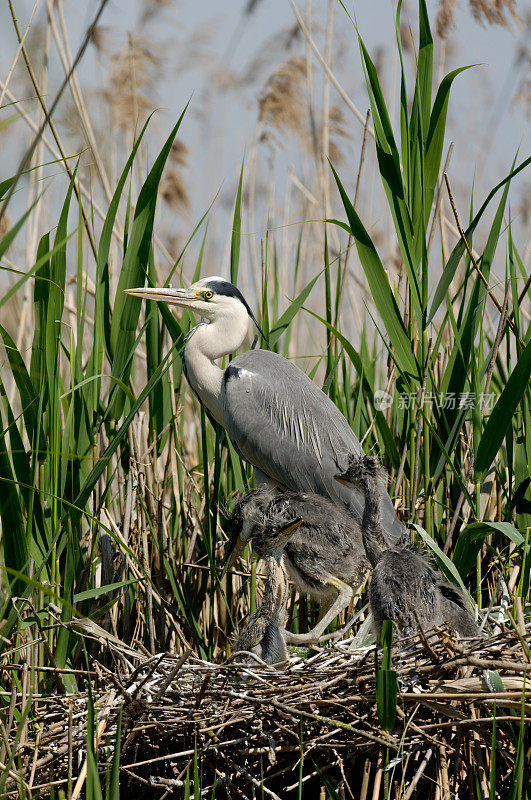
(360, 470)
(247, 518)
(210, 298)
(276, 536)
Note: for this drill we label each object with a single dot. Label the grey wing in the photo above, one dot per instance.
(286, 427)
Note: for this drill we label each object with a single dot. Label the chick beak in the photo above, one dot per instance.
(291, 527)
(342, 478)
(232, 552)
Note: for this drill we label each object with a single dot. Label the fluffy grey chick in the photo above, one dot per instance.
(264, 632)
(404, 587)
(325, 557)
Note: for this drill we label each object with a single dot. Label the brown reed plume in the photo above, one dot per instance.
(282, 104)
(445, 18)
(493, 12)
(134, 71)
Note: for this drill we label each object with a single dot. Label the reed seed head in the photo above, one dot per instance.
(282, 103)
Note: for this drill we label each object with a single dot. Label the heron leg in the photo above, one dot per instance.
(344, 596)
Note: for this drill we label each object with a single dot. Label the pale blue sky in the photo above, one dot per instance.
(196, 40)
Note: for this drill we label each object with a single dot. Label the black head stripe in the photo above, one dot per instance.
(229, 290)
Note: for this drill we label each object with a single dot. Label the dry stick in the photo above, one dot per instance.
(417, 728)
(101, 728)
(14, 776)
(34, 181)
(520, 619)
(478, 756)
(365, 779)
(145, 549)
(521, 296)
(497, 342)
(11, 712)
(400, 473)
(70, 754)
(378, 777)
(418, 774)
(334, 723)
(473, 260)
(87, 194)
(169, 678)
(48, 116)
(443, 771)
(25, 701)
(499, 336)
(38, 736)
(323, 160)
(66, 60)
(33, 225)
(330, 74)
(356, 197)
(17, 54)
(460, 501)
(417, 444)
(438, 199)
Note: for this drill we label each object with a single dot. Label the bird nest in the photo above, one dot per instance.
(234, 730)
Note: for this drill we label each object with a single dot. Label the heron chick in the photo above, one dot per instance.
(404, 587)
(324, 557)
(264, 632)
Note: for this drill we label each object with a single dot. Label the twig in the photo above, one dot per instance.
(416, 778)
(356, 197)
(497, 342)
(438, 199)
(330, 74)
(17, 54)
(420, 400)
(48, 115)
(101, 728)
(473, 260)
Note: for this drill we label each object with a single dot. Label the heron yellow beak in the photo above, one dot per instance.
(177, 297)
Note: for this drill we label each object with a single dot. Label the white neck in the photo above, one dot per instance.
(206, 344)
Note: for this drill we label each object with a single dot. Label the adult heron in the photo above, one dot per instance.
(277, 419)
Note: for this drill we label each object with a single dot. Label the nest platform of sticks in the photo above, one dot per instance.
(228, 730)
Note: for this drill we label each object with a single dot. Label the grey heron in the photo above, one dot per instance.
(264, 632)
(277, 419)
(324, 557)
(404, 587)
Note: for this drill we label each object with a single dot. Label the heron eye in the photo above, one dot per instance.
(274, 530)
(208, 294)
